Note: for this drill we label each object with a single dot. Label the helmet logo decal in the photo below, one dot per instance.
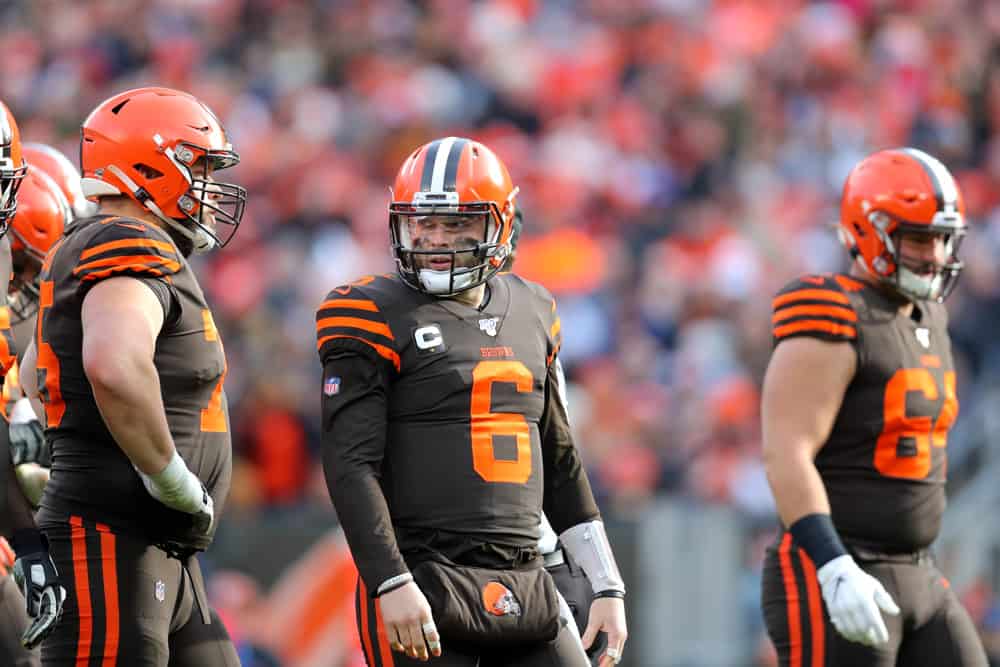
(499, 600)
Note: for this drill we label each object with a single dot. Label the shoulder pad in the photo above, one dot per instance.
(125, 246)
(350, 318)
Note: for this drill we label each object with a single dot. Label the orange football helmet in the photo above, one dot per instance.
(452, 177)
(60, 169)
(42, 214)
(898, 191)
(159, 147)
(12, 166)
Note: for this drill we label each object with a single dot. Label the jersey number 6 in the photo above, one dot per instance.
(487, 424)
(925, 431)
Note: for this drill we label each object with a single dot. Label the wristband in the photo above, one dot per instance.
(610, 593)
(392, 583)
(815, 534)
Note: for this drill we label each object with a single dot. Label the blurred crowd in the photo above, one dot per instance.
(679, 160)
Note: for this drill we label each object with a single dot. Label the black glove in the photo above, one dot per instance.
(28, 444)
(38, 579)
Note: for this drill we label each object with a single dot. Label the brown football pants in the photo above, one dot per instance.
(563, 651)
(129, 604)
(932, 630)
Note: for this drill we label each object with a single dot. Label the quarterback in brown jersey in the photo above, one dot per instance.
(444, 436)
(130, 367)
(858, 400)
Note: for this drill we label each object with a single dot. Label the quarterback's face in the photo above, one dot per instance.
(445, 232)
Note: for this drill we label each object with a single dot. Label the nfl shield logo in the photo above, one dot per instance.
(924, 336)
(489, 325)
(160, 592)
(331, 386)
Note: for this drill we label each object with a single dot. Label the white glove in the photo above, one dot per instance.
(853, 598)
(180, 489)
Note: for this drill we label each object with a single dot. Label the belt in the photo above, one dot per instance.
(866, 555)
(554, 558)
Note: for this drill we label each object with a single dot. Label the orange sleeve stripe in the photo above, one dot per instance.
(350, 304)
(828, 311)
(821, 326)
(810, 295)
(4, 317)
(127, 243)
(128, 260)
(379, 328)
(134, 268)
(385, 352)
(556, 328)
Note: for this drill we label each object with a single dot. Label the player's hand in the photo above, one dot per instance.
(204, 518)
(607, 615)
(853, 598)
(38, 579)
(27, 438)
(408, 622)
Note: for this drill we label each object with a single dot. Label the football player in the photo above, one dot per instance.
(858, 400)
(441, 419)
(130, 370)
(33, 569)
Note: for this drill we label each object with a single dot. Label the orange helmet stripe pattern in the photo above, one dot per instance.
(945, 188)
(441, 164)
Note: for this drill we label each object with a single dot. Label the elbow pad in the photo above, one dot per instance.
(587, 544)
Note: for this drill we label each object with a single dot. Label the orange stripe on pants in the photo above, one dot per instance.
(366, 638)
(82, 587)
(383, 640)
(109, 570)
(813, 596)
(792, 597)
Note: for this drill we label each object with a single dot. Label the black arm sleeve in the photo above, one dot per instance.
(354, 440)
(568, 499)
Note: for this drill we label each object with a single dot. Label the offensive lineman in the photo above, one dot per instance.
(858, 400)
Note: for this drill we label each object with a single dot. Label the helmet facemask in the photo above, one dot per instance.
(10, 182)
(212, 209)
(929, 281)
(476, 251)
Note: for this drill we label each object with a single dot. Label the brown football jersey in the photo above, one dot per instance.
(884, 463)
(467, 393)
(91, 476)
